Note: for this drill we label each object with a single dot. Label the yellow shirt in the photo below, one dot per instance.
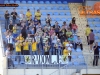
(21, 39)
(14, 29)
(64, 43)
(25, 46)
(34, 46)
(38, 15)
(28, 14)
(18, 47)
(65, 52)
(87, 31)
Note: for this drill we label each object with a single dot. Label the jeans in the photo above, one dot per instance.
(6, 23)
(59, 51)
(35, 53)
(14, 21)
(74, 31)
(10, 62)
(95, 61)
(18, 57)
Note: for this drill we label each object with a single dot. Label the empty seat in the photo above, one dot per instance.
(64, 2)
(25, 8)
(29, 2)
(23, 2)
(69, 19)
(54, 8)
(53, 2)
(96, 37)
(41, 2)
(35, 2)
(43, 19)
(47, 2)
(44, 13)
(17, 2)
(59, 2)
(91, 25)
(50, 13)
(66, 8)
(68, 14)
(36, 8)
(19, 8)
(1, 13)
(80, 56)
(42, 8)
(97, 25)
(61, 8)
(98, 43)
(48, 8)
(63, 19)
(56, 13)
(62, 13)
(57, 19)
(74, 57)
(31, 8)
(6, 1)
(11, 2)
(76, 63)
(89, 19)
(97, 19)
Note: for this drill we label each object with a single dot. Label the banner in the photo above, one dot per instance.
(45, 59)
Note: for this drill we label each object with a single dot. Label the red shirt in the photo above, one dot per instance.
(74, 26)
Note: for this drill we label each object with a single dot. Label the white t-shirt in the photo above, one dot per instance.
(69, 46)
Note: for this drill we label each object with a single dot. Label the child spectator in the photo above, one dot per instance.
(34, 47)
(68, 33)
(26, 47)
(65, 43)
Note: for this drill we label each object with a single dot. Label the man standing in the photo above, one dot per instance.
(38, 16)
(91, 39)
(14, 15)
(96, 54)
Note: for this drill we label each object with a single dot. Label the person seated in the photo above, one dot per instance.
(71, 39)
(78, 42)
(68, 33)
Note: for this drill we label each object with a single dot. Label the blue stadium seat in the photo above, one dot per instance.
(41, 2)
(11, 2)
(1, 13)
(25, 8)
(98, 43)
(6, 1)
(23, 2)
(67, 8)
(35, 2)
(69, 19)
(29, 2)
(50, 13)
(42, 19)
(31, 8)
(53, 2)
(64, 2)
(44, 13)
(19, 8)
(96, 37)
(80, 56)
(89, 19)
(57, 19)
(68, 14)
(48, 8)
(47, 2)
(74, 57)
(97, 25)
(62, 13)
(55, 8)
(61, 8)
(56, 13)
(42, 8)
(76, 64)
(17, 2)
(97, 19)
(63, 19)
(59, 2)
(92, 25)
(36, 8)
